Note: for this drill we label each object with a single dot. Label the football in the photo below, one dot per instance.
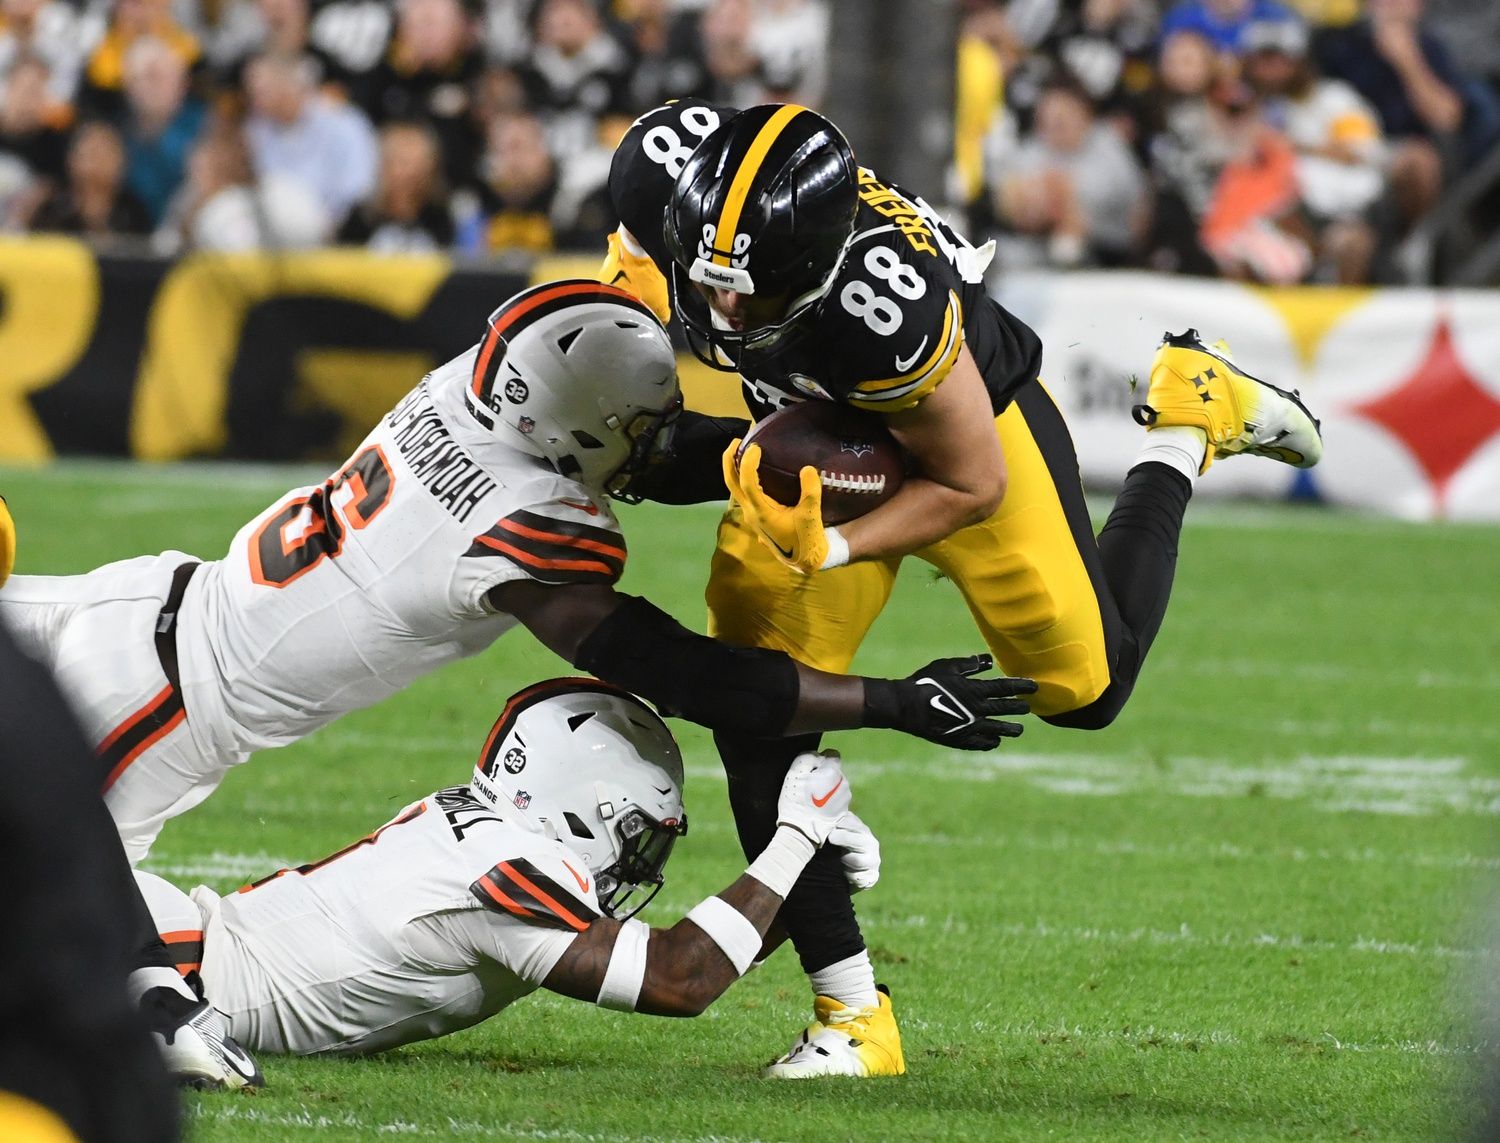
(858, 461)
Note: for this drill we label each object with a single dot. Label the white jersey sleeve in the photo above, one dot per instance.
(535, 904)
(443, 917)
(342, 593)
(561, 534)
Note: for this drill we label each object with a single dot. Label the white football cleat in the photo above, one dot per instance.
(194, 1041)
(844, 1042)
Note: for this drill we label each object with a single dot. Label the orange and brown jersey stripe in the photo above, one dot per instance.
(185, 946)
(519, 888)
(160, 715)
(531, 306)
(555, 551)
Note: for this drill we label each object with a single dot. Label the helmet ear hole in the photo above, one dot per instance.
(576, 824)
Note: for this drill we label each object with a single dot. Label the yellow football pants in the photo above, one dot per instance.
(1030, 575)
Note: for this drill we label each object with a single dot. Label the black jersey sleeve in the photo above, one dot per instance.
(897, 314)
(649, 159)
(909, 297)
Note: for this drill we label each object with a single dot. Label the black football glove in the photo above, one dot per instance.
(944, 703)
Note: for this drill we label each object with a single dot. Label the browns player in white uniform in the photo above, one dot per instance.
(479, 502)
(476, 895)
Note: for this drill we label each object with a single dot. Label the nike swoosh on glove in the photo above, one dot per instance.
(814, 795)
(944, 703)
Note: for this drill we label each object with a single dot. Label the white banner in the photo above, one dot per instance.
(1406, 382)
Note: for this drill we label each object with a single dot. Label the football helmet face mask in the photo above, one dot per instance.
(765, 205)
(593, 767)
(582, 375)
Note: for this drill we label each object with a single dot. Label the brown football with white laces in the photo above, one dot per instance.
(859, 463)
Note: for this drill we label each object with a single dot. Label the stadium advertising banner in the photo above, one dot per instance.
(220, 355)
(1407, 382)
(295, 356)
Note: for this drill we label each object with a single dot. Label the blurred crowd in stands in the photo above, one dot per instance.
(1277, 141)
(479, 126)
(1269, 140)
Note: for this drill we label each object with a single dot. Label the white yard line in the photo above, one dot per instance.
(308, 1120)
(1151, 1036)
(1168, 851)
(461, 746)
(1182, 935)
(196, 475)
(1397, 675)
(218, 866)
(1335, 783)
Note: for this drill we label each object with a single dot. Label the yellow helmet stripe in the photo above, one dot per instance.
(739, 188)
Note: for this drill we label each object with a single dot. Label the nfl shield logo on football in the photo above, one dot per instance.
(857, 447)
(522, 799)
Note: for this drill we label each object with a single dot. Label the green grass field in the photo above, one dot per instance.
(1252, 909)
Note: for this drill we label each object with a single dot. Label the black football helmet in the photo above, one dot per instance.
(765, 205)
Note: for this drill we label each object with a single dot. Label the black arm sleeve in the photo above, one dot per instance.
(744, 690)
(692, 473)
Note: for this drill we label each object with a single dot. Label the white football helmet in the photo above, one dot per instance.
(593, 767)
(582, 375)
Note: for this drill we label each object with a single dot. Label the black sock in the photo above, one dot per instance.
(1138, 547)
(818, 914)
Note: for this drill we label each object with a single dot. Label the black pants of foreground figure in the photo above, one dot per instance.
(76, 1057)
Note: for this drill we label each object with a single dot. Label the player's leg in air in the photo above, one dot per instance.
(1081, 612)
(811, 277)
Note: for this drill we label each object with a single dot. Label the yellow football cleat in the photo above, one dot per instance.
(7, 542)
(1201, 387)
(844, 1042)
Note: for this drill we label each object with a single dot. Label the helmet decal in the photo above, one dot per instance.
(515, 759)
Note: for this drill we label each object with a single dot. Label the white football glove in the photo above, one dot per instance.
(861, 856)
(814, 795)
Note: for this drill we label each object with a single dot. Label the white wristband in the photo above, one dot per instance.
(627, 240)
(627, 968)
(730, 929)
(838, 550)
(781, 863)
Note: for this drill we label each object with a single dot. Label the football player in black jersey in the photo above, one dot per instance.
(813, 278)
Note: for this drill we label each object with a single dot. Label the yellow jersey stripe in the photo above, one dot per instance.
(912, 386)
(739, 188)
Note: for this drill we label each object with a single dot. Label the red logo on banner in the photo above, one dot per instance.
(1440, 413)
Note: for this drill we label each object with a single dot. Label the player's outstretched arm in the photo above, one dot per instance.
(680, 971)
(630, 642)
